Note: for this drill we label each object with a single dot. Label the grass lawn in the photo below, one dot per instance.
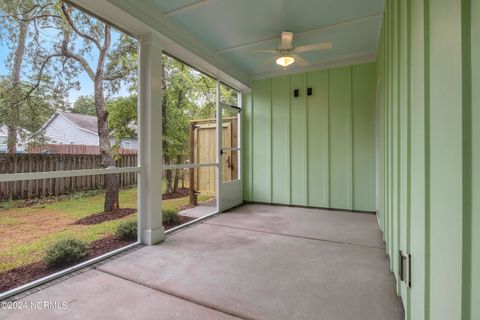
(26, 232)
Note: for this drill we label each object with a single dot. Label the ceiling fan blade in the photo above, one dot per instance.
(287, 38)
(300, 61)
(265, 51)
(269, 61)
(313, 47)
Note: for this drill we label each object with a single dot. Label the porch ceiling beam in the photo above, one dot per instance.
(188, 7)
(303, 33)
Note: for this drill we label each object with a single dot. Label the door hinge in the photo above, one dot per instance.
(404, 269)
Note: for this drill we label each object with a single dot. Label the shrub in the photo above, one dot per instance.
(65, 252)
(170, 217)
(127, 230)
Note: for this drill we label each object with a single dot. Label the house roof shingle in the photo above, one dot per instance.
(87, 122)
(81, 120)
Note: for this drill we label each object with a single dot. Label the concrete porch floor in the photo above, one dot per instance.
(200, 210)
(254, 262)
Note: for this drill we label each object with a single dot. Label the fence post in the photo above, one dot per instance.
(191, 171)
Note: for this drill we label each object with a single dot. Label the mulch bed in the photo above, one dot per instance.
(182, 221)
(25, 274)
(16, 277)
(181, 192)
(120, 213)
(21, 275)
(106, 216)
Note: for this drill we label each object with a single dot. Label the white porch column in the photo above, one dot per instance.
(151, 230)
(218, 158)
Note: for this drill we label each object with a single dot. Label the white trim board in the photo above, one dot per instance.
(188, 165)
(9, 177)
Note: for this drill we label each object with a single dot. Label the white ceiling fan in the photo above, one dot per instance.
(286, 53)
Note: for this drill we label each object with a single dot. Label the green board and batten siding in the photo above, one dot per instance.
(340, 138)
(363, 131)
(280, 134)
(474, 236)
(298, 141)
(318, 142)
(319, 151)
(428, 63)
(261, 123)
(314, 150)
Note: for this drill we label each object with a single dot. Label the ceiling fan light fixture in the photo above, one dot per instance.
(285, 61)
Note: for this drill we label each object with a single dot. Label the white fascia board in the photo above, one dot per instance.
(133, 19)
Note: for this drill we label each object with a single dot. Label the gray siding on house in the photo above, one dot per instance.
(61, 131)
(22, 140)
(126, 143)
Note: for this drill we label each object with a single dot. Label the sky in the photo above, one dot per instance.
(86, 84)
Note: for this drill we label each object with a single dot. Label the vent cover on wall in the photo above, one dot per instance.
(404, 268)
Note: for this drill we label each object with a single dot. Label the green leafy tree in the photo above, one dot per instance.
(107, 72)
(122, 112)
(21, 24)
(84, 105)
(49, 41)
(32, 112)
(188, 95)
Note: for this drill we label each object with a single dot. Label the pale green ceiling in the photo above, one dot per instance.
(234, 28)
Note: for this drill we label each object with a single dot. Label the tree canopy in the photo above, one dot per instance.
(51, 44)
(84, 105)
(122, 113)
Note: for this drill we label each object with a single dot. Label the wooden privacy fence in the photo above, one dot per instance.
(202, 134)
(72, 149)
(23, 163)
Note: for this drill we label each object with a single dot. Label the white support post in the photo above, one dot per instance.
(239, 138)
(150, 226)
(219, 147)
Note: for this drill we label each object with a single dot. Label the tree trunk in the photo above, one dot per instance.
(179, 157)
(112, 182)
(177, 174)
(176, 179)
(14, 116)
(168, 177)
(12, 139)
(166, 157)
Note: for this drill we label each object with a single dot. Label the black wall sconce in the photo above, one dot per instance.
(309, 91)
(296, 93)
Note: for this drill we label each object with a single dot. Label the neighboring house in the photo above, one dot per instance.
(22, 139)
(78, 129)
